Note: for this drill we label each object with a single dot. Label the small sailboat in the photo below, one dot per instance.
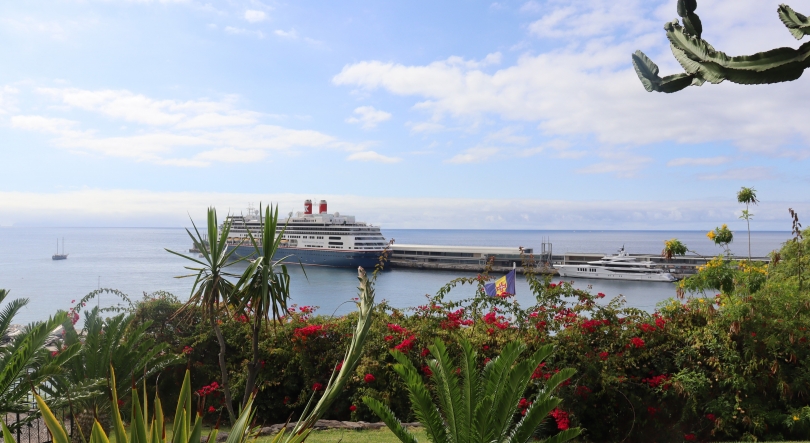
(59, 256)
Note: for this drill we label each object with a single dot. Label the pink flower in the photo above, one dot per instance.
(369, 378)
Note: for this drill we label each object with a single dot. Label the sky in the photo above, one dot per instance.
(409, 114)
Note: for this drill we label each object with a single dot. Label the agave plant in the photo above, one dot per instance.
(338, 380)
(187, 427)
(24, 361)
(476, 406)
(703, 63)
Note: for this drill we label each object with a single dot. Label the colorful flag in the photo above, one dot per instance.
(503, 286)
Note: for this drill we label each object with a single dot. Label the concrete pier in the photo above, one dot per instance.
(475, 258)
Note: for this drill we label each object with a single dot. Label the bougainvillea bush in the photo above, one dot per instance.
(725, 364)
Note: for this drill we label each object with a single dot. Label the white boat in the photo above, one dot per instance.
(617, 267)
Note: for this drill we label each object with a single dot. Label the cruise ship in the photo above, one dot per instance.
(617, 267)
(316, 239)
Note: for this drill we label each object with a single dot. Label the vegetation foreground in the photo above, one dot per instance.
(731, 362)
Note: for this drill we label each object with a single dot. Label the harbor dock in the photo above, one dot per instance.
(475, 258)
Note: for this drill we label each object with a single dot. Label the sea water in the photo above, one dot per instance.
(135, 261)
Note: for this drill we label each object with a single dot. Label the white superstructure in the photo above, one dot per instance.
(617, 267)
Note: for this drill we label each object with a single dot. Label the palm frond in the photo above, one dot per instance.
(387, 416)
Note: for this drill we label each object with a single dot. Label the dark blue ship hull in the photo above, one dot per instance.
(317, 257)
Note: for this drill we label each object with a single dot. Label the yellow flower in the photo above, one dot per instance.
(710, 234)
(795, 418)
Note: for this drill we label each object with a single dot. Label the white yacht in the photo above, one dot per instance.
(617, 267)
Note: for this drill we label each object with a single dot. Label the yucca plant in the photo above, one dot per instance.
(187, 426)
(24, 361)
(264, 290)
(212, 290)
(472, 405)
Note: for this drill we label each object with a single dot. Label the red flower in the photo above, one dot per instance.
(352, 408)
(73, 301)
(753, 334)
(317, 387)
(212, 409)
(187, 350)
(600, 295)
(689, 437)
(561, 417)
(120, 402)
(660, 322)
(388, 337)
(396, 328)
(425, 352)
(637, 342)
(369, 378)
(652, 410)
(54, 353)
(406, 344)
(603, 356)
(339, 366)
(426, 370)
(711, 417)
(540, 325)
(647, 327)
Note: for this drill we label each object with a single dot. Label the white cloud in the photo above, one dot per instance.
(94, 207)
(622, 163)
(474, 155)
(291, 34)
(531, 6)
(702, 161)
(169, 132)
(425, 127)
(371, 156)
(738, 174)
(368, 117)
(242, 31)
(588, 88)
(255, 16)
(507, 135)
(231, 155)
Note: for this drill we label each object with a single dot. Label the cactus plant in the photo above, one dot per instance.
(703, 63)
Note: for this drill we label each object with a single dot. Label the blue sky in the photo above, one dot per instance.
(506, 115)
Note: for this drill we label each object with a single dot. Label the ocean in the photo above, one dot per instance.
(134, 261)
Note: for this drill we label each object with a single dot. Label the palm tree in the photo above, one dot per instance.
(476, 406)
(24, 360)
(265, 291)
(748, 196)
(212, 290)
(113, 343)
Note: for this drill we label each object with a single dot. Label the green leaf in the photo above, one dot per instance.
(387, 416)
